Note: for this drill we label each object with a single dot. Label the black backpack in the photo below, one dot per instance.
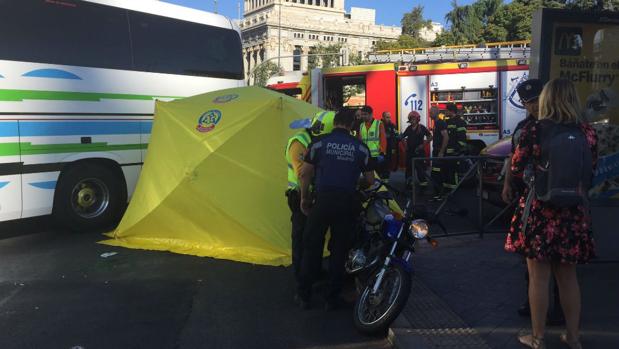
(563, 176)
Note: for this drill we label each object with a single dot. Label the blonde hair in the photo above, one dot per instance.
(559, 102)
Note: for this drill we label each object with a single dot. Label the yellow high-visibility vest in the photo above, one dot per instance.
(304, 138)
(371, 137)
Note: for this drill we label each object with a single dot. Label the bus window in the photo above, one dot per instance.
(189, 48)
(68, 33)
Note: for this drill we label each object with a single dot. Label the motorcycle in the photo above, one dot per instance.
(381, 262)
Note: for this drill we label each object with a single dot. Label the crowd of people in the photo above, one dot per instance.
(551, 226)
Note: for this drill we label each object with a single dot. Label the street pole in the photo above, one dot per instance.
(279, 36)
(215, 5)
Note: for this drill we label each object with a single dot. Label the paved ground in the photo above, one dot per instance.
(469, 289)
(56, 291)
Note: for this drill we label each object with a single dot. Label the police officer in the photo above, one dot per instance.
(322, 123)
(334, 162)
(440, 139)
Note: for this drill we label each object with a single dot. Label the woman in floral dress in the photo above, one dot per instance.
(556, 239)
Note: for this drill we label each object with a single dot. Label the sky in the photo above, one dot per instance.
(388, 12)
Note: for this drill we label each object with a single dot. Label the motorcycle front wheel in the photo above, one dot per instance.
(373, 313)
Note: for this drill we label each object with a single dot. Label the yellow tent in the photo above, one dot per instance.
(214, 178)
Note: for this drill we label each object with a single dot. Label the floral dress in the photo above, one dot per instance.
(552, 234)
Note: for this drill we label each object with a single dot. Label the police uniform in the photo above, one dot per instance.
(295, 150)
(338, 159)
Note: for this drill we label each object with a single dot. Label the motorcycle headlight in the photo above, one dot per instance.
(419, 228)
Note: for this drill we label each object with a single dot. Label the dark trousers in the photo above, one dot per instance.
(444, 174)
(337, 211)
(384, 169)
(298, 220)
(420, 167)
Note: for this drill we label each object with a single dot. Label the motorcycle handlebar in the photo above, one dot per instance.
(430, 218)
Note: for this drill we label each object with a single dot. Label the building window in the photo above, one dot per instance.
(296, 60)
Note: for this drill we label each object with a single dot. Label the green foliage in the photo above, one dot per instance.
(413, 22)
(263, 72)
(404, 41)
(356, 59)
(494, 20)
(330, 58)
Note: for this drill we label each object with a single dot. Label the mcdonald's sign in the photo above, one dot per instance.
(568, 41)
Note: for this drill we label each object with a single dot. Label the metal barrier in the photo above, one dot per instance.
(476, 168)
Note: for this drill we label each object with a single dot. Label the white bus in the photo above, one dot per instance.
(78, 81)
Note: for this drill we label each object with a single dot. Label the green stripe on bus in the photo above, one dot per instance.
(12, 149)
(9, 149)
(20, 95)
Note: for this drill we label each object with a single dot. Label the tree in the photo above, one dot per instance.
(445, 38)
(404, 41)
(356, 59)
(264, 72)
(468, 22)
(494, 20)
(413, 22)
(330, 58)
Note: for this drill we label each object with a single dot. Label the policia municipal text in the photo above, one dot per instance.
(333, 162)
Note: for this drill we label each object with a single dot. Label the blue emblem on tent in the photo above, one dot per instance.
(3, 184)
(51, 73)
(208, 120)
(300, 123)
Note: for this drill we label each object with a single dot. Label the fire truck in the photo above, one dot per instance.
(480, 80)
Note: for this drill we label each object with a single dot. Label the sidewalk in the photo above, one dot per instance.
(468, 289)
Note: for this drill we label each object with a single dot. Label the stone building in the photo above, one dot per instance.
(286, 28)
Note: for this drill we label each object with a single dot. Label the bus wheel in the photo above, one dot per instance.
(89, 197)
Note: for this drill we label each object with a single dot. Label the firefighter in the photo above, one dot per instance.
(417, 138)
(322, 124)
(334, 163)
(456, 129)
(440, 139)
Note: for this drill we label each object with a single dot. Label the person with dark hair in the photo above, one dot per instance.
(391, 153)
(321, 124)
(333, 163)
(372, 133)
(456, 128)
